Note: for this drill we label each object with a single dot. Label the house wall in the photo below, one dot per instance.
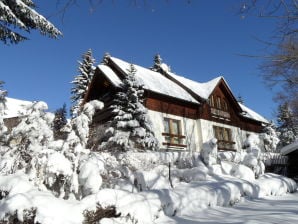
(189, 129)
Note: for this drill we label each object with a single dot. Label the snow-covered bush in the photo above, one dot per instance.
(270, 138)
(209, 152)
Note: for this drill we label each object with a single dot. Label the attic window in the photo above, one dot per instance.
(224, 105)
(218, 102)
(211, 101)
(173, 133)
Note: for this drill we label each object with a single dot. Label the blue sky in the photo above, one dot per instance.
(200, 41)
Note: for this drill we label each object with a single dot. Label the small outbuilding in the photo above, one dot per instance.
(292, 152)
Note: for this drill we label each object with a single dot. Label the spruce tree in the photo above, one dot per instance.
(20, 15)
(81, 82)
(130, 127)
(157, 63)
(287, 126)
(59, 122)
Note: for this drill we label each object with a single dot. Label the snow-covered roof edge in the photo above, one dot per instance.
(16, 107)
(155, 81)
(249, 113)
(110, 74)
(289, 148)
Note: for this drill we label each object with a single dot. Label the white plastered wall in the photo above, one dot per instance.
(196, 131)
(189, 129)
(238, 135)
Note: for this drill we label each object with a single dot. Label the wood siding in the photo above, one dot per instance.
(171, 108)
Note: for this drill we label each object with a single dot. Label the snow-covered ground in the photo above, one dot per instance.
(278, 209)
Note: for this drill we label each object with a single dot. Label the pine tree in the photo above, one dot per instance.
(59, 122)
(287, 126)
(21, 15)
(157, 63)
(3, 94)
(82, 81)
(130, 127)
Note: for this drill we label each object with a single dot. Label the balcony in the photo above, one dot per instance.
(220, 114)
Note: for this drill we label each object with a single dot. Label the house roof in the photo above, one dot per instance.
(155, 81)
(110, 74)
(174, 85)
(249, 113)
(289, 148)
(15, 107)
(203, 90)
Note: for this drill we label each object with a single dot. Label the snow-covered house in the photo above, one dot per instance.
(184, 113)
(14, 110)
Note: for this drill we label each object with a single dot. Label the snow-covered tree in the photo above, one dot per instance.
(82, 81)
(3, 94)
(59, 122)
(270, 138)
(157, 63)
(287, 126)
(20, 15)
(131, 127)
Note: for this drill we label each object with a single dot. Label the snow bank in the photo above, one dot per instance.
(173, 183)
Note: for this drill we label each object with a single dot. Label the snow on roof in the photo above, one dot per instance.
(15, 107)
(289, 148)
(201, 89)
(249, 113)
(156, 82)
(110, 74)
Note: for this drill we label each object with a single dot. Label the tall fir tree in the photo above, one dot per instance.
(157, 63)
(287, 125)
(59, 122)
(131, 127)
(20, 15)
(3, 94)
(81, 82)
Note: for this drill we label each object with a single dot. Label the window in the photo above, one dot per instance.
(211, 101)
(224, 105)
(219, 108)
(218, 102)
(173, 132)
(224, 138)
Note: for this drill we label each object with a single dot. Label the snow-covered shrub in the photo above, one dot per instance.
(92, 217)
(25, 216)
(27, 139)
(270, 138)
(3, 132)
(242, 172)
(209, 152)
